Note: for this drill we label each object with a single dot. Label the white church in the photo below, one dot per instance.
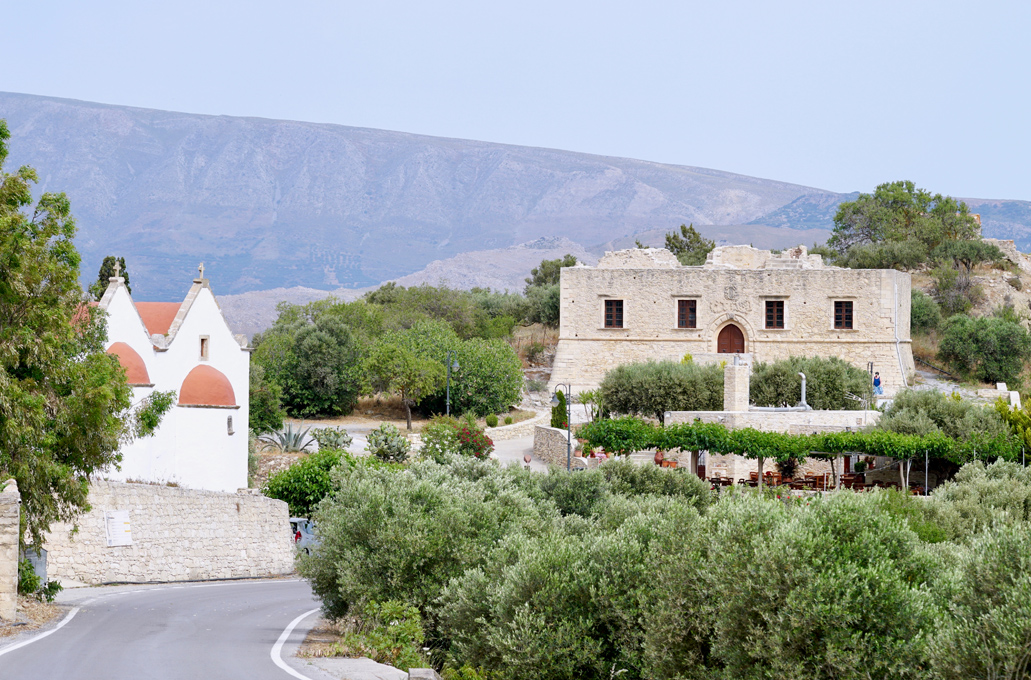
(187, 347)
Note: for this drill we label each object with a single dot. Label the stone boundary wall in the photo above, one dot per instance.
(549, 445)
(793, 422)
(10, 514)
(523, 428)
(177, 535)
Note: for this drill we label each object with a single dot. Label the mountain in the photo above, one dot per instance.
(269, 204)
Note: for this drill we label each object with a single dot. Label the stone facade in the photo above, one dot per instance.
(731, 289)
(549, 445)
(177, 535)
(10, 513)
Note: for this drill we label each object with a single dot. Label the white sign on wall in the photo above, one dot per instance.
(118, 531)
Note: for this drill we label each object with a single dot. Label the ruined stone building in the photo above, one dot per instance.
(642, 304)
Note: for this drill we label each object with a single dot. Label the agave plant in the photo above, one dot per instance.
(289, 440)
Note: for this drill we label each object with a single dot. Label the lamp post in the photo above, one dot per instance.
(452, 364)
(569, 421)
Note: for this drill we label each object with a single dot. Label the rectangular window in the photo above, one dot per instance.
(843, 314)
(613, 314)
(204, 347)
(687, 316)
(775, 314)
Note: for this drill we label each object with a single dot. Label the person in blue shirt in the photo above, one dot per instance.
(877, 389)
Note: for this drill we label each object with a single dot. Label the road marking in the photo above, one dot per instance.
(278, 647)
(39, 637)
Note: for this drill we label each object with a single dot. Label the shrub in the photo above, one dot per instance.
(924, 314)
(331, 438)
(446, 436)
(922, 412)
(968, 253)
(990, 349)
(508, 420)
(901, 255)
(535, 352)
(955, 291)
(390, 633)
(491, 420)
(828, 380)
(536, 385)
(1015, 282)
(305, 483)
(388, 444)
(654, 387)
(560, 411)
(28, 581)
(575, 494)
(472, 441)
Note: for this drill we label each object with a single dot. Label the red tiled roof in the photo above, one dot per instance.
(81, 314)
(158, 316)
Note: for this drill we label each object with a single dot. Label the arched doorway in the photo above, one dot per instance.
(731, 340)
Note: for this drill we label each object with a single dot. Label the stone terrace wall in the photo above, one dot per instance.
(177, 535)
(549, 444)
(10, 507)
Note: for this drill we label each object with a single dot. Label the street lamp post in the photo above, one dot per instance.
(452, 364)
(569, 421)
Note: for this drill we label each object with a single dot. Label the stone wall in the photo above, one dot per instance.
(10, 508)
(792, 422)
(516, 430)
(549, 445)
(725, 293)
(176, 535)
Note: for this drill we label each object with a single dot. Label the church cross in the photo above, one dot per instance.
(118, 268)
(201, 270)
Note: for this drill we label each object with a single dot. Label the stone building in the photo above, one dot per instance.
(189, 348)
(642, 304)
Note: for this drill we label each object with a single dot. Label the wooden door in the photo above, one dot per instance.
(731, 340)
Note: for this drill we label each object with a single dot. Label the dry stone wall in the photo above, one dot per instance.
(10, 508)
(550, 445)
(176, 535)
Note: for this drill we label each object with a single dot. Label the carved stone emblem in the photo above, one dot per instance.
(730, 292)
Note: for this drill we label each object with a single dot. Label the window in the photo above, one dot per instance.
(203, 347)
(613, 314)
(843, 314)
(687, 316)
(775, 314)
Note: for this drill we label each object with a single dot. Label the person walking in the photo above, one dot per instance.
(877, 389)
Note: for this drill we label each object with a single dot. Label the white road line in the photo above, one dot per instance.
(39, 637)
(278, 647)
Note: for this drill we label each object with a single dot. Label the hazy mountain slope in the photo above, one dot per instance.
(276, 203)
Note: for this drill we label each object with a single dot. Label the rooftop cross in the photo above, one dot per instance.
(201, 270)
(118, 268)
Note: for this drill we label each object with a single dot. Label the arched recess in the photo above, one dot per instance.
(135, 368)
(206, 386)
(731, 340)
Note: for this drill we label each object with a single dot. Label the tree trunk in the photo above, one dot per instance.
(902, 474)
(760, 483)
(408, 414)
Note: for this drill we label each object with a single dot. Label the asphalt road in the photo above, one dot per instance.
(209, 631)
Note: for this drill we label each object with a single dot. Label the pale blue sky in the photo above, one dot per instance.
(836, 95)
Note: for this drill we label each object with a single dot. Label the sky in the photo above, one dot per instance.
(836, 95)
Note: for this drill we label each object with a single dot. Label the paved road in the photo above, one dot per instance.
(209, 631)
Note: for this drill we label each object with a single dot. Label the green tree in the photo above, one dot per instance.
(266, 410)
(990, 349)
(547, 273)
(107, 270)
(392, 367)
(654, 387)
(968, 253)
(828, 381)
(924, 313)
(689, 246)
(63, 399)
(898, 211)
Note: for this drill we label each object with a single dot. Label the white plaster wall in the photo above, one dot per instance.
(192, 446)
(177, 535)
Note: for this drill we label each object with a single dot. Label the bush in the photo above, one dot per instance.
(305, 483)
(560, 411)
(446, 436)
(654, 387)
(491, 420)
(388, 444)
(922, 412)
(924, 314)
(968, 253)
(32, 585)
(331, 438)
(955, 291)
(828, 380)
(508, 420)
(901, 255)
(389, 633)
(990, 349)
